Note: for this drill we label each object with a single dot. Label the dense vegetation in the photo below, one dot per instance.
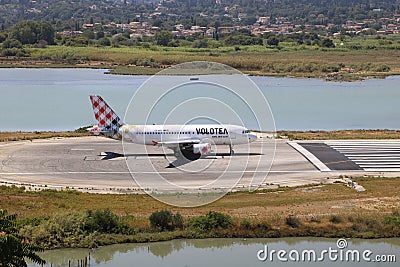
(71, 219)
(72, 14)
(102, 227)
(41, 33)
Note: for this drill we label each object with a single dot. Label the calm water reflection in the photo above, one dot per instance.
(218, 252)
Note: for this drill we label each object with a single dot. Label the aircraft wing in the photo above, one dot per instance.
(174, 143)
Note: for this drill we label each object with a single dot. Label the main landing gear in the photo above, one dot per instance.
(231, 151)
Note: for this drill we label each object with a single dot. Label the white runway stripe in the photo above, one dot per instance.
(396, 156)
(379, 166)
(377, 160)
(371, 155)
(382, 169)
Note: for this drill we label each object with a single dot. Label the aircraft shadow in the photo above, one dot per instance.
(180, 161)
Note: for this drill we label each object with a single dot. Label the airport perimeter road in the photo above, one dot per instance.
(96, 164)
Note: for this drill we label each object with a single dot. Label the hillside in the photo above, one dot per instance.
(166, 13)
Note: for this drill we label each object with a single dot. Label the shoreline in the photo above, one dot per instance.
(146, 71)
(330, 65)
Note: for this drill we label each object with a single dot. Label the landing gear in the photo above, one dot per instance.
(186, 152)
(231, 151)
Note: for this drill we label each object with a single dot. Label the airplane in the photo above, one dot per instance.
(190, 141)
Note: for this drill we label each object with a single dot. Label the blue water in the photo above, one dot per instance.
(57, 99)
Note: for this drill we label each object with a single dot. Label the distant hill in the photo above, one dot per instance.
(165, 13)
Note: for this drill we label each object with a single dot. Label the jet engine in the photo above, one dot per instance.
(202, 149)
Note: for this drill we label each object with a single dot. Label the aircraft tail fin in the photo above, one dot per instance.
(108, 120)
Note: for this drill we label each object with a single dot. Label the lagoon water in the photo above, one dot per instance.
(232, 253)
(57, 99)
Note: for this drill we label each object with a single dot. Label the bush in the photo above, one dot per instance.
(211, 220)
(14, 52)
(330, 68)
(165, 220)
(104, 41)
(42, 44)
(382, 68)
(200, 43)
(11, 43)
(75, 230)
(336, 219)
(293, 221)
(245, 224)
(328, 43)
(273, 41)
(104, 221)
(394, 219)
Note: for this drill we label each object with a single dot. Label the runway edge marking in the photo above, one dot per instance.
(310, 157)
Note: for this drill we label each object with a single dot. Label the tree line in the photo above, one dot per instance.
(41, 34)
(64, 15)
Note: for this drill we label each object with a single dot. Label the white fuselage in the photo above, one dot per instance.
(164, 134)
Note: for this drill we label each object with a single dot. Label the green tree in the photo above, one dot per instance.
(163, 38)
(104, 41)
(11, 43)
(200, 43)
(272, 40)
(99, 35)
(3, 37)
(211, 221)
(31, 32)
(14, 248)
(327, 42)
(105, 221)
(165, 220)
(89, 34)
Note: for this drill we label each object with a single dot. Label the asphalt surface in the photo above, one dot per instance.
(332, 158)
(97, 164)
(366, 155)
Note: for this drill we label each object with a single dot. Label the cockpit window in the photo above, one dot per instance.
(245, 131)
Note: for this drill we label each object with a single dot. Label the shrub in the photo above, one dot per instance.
(211, 220)
(273, 41)
(292, 221)
(165, 220)
(14, 52)
(74, 229)
(382, 68)
(394, 219)
(104, 221)
(315, 219)
(11, 43)
(326, 42)
(245, 224)
(104, 41)
(336, 219)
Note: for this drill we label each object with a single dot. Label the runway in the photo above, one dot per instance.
(96, 164)
(366, 155)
